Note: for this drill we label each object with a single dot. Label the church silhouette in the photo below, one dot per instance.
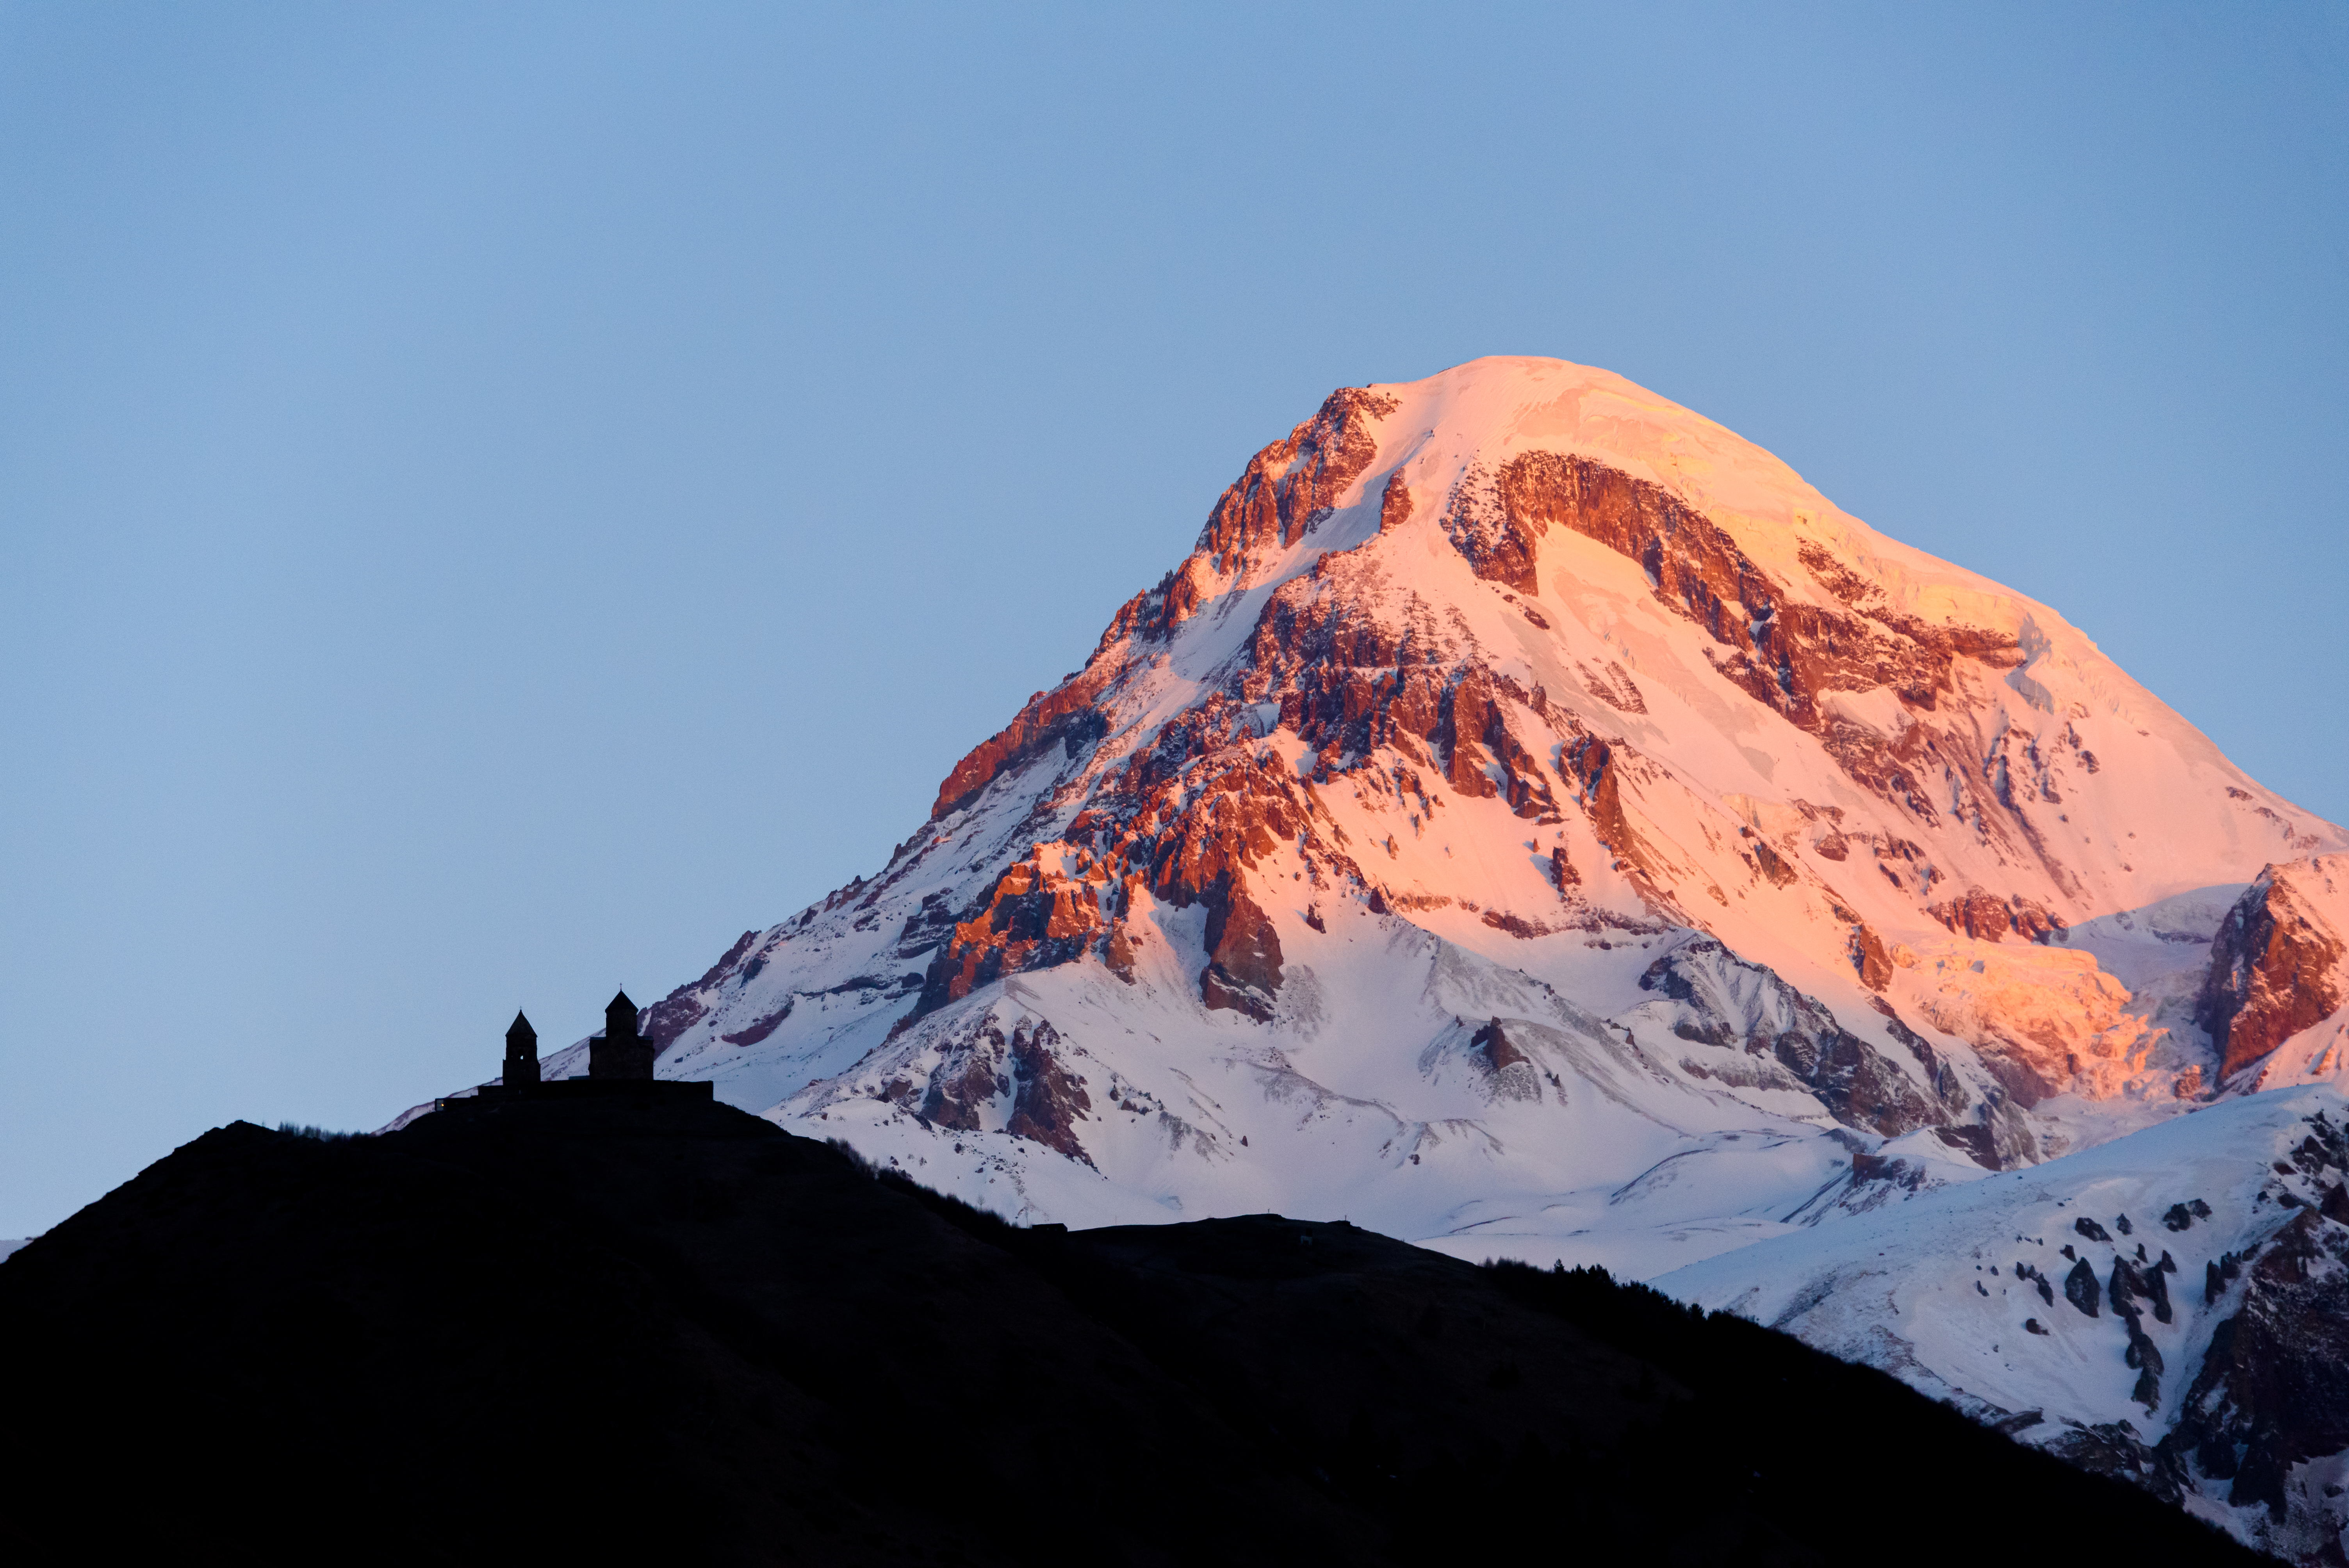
(619, 1062)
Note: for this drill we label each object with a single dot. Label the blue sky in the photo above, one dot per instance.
(495, 501)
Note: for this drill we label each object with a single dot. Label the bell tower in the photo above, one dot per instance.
(620, 1052)
(522, 1054)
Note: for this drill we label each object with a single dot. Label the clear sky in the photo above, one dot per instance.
(496, 500)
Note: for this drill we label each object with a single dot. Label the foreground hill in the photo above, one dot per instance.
(516, 1329)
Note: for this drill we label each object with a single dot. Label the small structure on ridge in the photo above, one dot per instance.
(620, 1063)
(522, 1054)
(620, 1052)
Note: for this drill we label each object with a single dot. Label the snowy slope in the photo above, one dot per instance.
(1962, 1292)
(1370, 1096)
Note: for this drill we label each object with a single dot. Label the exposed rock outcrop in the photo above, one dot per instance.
(1047, 1099)
(2080, 1287)
(1036, 914)
(1063, 716)
(686, 1006)
(1987, 917)
(2276, 962)
(1511, 1073)
(2273, 1388)
(1729, 1002)
(1786, 652)
(1243, 971)
(986, 1081)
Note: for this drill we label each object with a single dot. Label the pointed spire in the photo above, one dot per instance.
(620, 1052)
(522, 1054)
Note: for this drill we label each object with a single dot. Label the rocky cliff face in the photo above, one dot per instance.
(1529, 810)
(2276, 969)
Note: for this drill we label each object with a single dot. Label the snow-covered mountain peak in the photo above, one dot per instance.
(1529, 810)
(1534, 821)
(1493, 410)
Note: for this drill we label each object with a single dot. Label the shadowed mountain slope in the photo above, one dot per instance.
(518, 1328)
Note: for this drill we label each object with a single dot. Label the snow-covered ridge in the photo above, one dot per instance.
(2172, 1306)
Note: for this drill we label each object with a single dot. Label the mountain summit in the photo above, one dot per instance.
(1532, 811)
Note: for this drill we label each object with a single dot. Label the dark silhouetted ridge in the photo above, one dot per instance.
(523, 1326)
